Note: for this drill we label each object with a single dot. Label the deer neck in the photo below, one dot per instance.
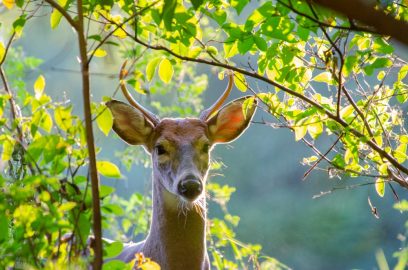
(177, 236)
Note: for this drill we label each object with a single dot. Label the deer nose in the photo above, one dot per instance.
(190, 188)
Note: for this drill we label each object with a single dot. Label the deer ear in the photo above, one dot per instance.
(129, 123)
(231, 120)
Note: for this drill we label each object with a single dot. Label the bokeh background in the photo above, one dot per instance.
(277, 209)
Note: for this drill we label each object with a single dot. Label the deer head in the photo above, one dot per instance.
(180, 147)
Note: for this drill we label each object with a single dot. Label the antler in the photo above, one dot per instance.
(208, 112)
(152, 117)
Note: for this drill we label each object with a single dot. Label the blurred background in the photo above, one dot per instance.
(277, 209)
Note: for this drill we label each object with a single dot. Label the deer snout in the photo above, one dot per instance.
(190, 188)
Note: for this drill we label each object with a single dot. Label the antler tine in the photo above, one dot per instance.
(152, 118)
(208, 112)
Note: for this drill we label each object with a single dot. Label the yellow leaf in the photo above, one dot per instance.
(39, 86)
(66, 206)
(323, 77)
(151, 68)
(300, 132)
(104, 119)
(150, 265)
(380, 187)
(8, 147)
(63, 117)
(346, 111)
(194, 52)
(8, 3)
(315, 128)
(108, 169)
(2, 51)
(55, 18)
(400, 153)
(165, 70)
(120, 33)
(99, 53)
(240, 82)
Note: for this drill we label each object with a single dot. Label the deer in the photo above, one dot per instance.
(180, 152)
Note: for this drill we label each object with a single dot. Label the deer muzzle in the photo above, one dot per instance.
(190, 188)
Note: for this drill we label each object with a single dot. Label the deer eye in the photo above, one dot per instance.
(206, 148)
(160, 150)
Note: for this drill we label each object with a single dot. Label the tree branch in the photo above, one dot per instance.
(97, 227)
(367, 13)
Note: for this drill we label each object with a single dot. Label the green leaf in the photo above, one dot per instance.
(18, 25)
(167, 15)
(105, 190)
(104, 119)
(240, 82)
(245, 44)
(349, 64)
(151, 68)
(165, 70)
(114, 265)
(380, 45)
(239, 5)
(108, 169)
(260, 43)
(113, 249)
(39, 86)
(213, 50)
(380, 186)
(55, 18)
(114, 208)
(197, 3)
(4, 227)
(378, 63)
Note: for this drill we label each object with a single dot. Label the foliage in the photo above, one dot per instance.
(326, 77)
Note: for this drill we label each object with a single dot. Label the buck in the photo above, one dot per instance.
(180, 152)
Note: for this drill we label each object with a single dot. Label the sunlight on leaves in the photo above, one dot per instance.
(380, 186)
(165, 70)
(39, 86)
(9, 4)
(2, 51)
(240, 82)
(55, 18)
(108, 169)
(104, 119)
